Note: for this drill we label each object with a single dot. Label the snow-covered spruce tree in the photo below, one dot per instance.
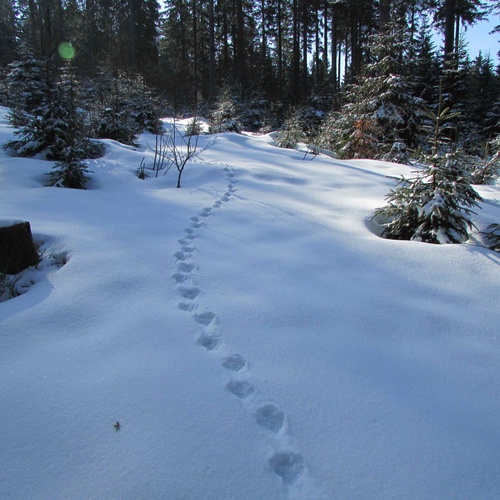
(436, 205)
(70, 171)
(290, 133)
(225, 116)
(380, 110)
(26, 86)
(124, 108)
(424, 65)
(479, 118)
(486, 170)
(352, 133)
(49, 122)
(493, 237)
(73, 146)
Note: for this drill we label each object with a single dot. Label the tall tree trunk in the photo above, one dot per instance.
(384, 14)
(296, 54)
(305, 51)
(325, 39)
(334, 74)
(240, 43)
(195, 54)
(449, 28)
(279, 21)
(211, 41)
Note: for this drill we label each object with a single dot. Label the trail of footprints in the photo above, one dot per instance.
(287, 464)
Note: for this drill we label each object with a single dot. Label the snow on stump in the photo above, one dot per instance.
(17, 249)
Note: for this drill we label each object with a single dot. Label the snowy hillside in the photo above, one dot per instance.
(250, 333)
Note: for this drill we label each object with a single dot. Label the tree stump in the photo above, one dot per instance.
(17, 249)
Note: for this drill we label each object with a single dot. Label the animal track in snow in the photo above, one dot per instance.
(206, 212)
(241, 388)
(288, 465)
(234, 362)
(205, 318)
(185, 267)
(190, 233)
(180, 255)
(209, 342)
(189, 292)
(187, 306)
(270, 417)
(180, 277)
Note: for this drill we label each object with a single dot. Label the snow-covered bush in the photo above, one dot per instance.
(379, 110)
(290, 134)
(8, 286)
(70, 172)
(434, 206)
(46, 113)
(486, 170)
(194, 127)
(397, 154)
(351, 135)
(124, 108)
(26, 86)
(225, 117)
(493, 237)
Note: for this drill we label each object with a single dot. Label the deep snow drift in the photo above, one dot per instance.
(251, 334)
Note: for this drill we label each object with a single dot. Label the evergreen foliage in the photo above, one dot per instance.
(70, 172)
(436, 205)
(367, 66)
(380, 116)
(493, 237)
(225, 117)
(486, 170)
(290, 133)
(125, 107)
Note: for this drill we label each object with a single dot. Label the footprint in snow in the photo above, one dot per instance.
(190, 233)
(241, 388)
(180, 277)
(288, 465)
(234, 362)
(189, 293)
(180, 255)
(187, 249)
(185, 267)
(205, 318)
(209, 342)
(187, 306)
(206, 212)
(270, 417)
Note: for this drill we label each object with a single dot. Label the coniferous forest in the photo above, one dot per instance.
(356, 77)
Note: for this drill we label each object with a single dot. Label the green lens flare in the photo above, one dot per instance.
(66, 50)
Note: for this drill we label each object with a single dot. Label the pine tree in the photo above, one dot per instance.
(493, 237)
(290, 134)
(124, 108)
(486, 170)
(381, 116)
(225, 116)
(436, 205)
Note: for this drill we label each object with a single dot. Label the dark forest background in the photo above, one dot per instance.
(319, 65)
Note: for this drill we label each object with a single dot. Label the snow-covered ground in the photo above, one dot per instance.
(252, 335)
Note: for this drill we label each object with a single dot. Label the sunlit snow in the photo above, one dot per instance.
(251, 334)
